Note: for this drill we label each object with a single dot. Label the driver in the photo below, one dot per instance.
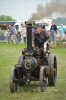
(40, 36)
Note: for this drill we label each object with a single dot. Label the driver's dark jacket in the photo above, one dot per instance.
(39, 39)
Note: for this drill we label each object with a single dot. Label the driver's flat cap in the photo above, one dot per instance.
(37, 26)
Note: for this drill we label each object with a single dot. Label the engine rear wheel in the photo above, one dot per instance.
(55, 66)
(52, 62)
(51, 80)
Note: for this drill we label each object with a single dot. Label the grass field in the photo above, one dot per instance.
(8, 57)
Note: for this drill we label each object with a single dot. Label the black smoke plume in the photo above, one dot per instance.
(55, 6)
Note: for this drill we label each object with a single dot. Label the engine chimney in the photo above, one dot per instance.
(29, 26)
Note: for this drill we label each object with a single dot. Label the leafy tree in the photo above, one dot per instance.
(6, 18)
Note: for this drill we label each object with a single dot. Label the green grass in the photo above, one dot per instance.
(8, 57)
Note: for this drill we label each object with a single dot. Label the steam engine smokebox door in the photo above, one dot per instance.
(29, 64)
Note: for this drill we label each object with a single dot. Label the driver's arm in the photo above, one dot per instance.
(46, 35)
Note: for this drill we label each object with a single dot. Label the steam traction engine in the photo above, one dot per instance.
(34, 65)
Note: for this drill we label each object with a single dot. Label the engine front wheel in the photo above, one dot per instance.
(13, 87)
(13, 84)
(43, 80)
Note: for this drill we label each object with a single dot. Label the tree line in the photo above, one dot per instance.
(6, 18)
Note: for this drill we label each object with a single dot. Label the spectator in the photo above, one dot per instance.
(62, 30)
(42, 25)
(54, 27)
(64, 39)
(0, 30)
(18, 35)
(12, 33)
(53, 31)
(24, 34)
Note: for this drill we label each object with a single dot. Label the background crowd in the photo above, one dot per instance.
(13, 35)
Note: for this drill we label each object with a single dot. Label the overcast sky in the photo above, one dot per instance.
(20, 9)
